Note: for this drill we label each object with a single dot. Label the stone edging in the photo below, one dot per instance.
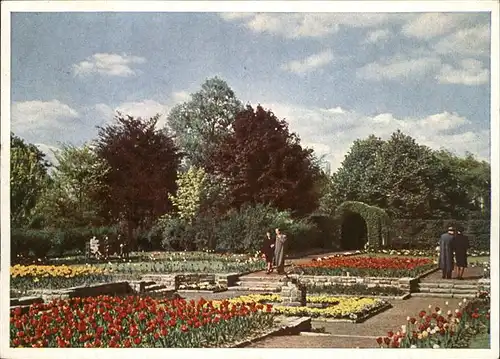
(295, 326)
(430, 271)
(385, 297)
(201, 291)
(368, 315)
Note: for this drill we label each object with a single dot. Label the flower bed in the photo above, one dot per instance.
(133, 321)
(355, 289)
(442, 328)
(24, 278)
(422, 252)
(350, 308)
(361, 266)
(178, 262)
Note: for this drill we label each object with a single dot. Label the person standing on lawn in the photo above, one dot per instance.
(446, 244)
(461, 245)
(268, 252)
(279, 251)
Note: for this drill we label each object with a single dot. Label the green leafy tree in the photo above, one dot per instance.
(358, 178)
(28, 179)
(76, 179)
(399, 175)
(142, 166)
(200, 123)
(473, 176)
(192, 192)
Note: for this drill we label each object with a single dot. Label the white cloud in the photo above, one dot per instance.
(310, 63)
(429, 25)
(376, 36)
(108, 64)
(398, 68)
(49, 152)
(332, 133)
(181, 96)
(469, 41)
(303, 25)
(471, 72)
(31, 115)
(236, 15)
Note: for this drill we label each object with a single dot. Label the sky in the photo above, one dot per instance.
(335, 77)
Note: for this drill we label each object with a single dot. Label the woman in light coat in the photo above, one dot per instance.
(279, 251)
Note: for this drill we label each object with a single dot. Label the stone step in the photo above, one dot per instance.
(155, 287)
(258, 284)
(449, 285)
(269, 278)
(254, 289)
(444, 295)
(448, 290)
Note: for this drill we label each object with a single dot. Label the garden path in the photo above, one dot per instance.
(362, 335)
(471, 274)
(297, 261)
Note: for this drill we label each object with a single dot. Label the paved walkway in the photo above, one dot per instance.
(471, 274)
(347, 335)
(297, 261)
(359, 335)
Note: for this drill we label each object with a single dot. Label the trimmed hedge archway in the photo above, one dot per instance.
(376, 219)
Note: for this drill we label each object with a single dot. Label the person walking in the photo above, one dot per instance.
(268, 252)
(446, 253)
(279, 251)
(461, 245)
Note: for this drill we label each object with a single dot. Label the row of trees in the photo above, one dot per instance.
(410, 180)
(220, 171)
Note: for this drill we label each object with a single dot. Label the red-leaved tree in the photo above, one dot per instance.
(143, 163)
(263, 162)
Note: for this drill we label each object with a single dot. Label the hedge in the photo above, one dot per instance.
(378, 222)
(424, 234)
(40, 243)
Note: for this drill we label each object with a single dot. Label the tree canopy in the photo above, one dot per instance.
(28, 179)
(200, 123)
(143, 164)
(264, 163)
(407, 179)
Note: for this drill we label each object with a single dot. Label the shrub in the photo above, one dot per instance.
(424, 234)
(239, 231)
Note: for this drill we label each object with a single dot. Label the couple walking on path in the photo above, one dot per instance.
(274, 251)
(453, 247)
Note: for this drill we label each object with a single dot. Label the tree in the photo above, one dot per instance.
(357, 179)
(473, 176)
(196, 192)
(28, 179)
(201, 123)
(399, 175)
(76, 179)
(263, 163)
(143, 164)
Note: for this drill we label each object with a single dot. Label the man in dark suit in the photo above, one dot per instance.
(446, 253)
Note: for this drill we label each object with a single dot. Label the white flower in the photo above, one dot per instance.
(446, 303)
(429, 330)
(465, 300)
(413, 346)
(435, 346)
(449, 312)
(439, 312)
(430, 306)
(403, 329)
(459, 304)
(408, 319)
